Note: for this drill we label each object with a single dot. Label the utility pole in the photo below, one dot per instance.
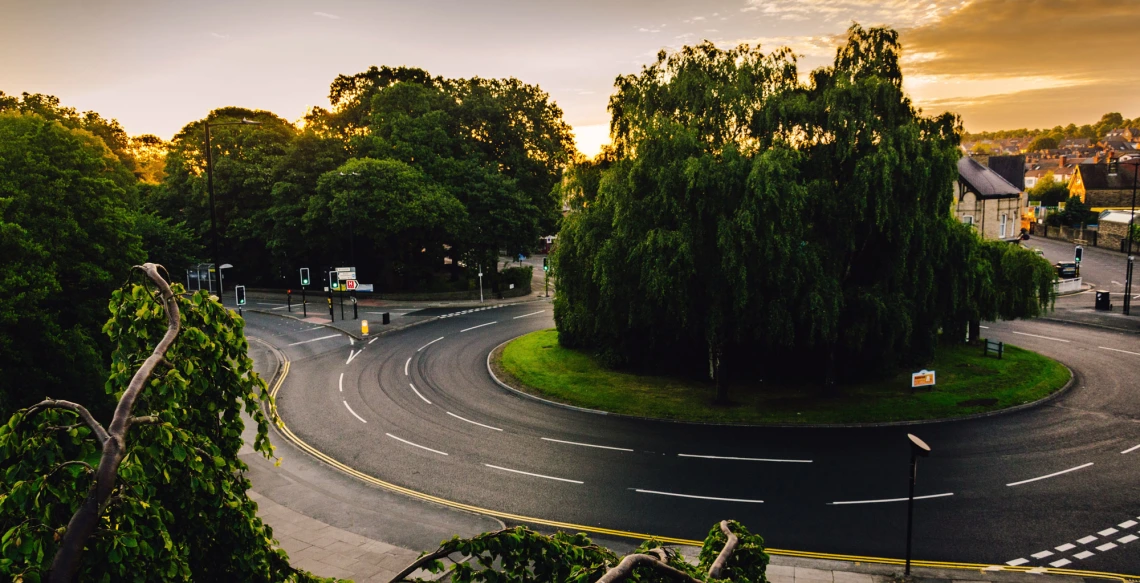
(1131, 222)
(917, 448)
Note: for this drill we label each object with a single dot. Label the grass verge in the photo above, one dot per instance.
(968, 383)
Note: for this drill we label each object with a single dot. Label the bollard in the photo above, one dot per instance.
(386, 319)
(364, 327)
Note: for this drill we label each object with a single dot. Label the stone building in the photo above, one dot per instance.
(1104, 186)
(989, 201)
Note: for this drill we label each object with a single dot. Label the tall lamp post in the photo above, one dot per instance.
(1135, 163)
(918, 448)
(210, 191)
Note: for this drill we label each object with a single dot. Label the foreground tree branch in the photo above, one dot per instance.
(96, 427)
(113, 442)
(717, 569)
(630, 562)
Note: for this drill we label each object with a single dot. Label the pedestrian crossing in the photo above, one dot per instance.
(474, 310)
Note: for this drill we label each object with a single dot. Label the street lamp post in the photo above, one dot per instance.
(210, 191)
(1131, 221)
(918, 448)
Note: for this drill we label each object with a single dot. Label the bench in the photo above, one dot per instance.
(993, 346)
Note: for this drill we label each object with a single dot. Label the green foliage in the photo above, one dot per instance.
(521, 277)
(66, 239)
(1077, 213)
(172, 245)
(1043, 142)
(753, 218)
(1094, 132)
(1049, 191)
(179, 510)
(522, 555)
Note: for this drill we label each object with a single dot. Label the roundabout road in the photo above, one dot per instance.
(1054, 486)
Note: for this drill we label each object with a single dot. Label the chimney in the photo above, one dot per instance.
(1062, 162)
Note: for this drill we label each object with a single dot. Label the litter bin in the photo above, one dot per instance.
(387, 319)
(1102, 301)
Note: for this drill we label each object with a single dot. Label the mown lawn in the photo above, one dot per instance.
(967, 383)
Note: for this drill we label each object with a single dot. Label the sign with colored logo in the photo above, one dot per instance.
(350, 284)
(922, 378)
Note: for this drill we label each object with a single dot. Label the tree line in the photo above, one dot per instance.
(1050, 138)
(417, 179)
(745, 221)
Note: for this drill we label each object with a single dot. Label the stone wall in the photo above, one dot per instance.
(1108, 198)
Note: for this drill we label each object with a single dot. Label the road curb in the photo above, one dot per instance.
(1091, 325)
(1008, 410)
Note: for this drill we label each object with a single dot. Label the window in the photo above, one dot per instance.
(968, 219)
(1003, 225)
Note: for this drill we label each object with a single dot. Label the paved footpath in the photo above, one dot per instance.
(336, 526)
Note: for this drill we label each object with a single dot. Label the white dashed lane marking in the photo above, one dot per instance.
(415, 444)
(1042, 554)
(418, 394)
(586, 444)
(314, 339)
(1106, 547)
(1060, 563)
(530, 314)
(354, 412)
(472, 422)
(640, 491)
(1086, 540)
(1042, 337)
(1084, 554)
(889, 499)
(1017, 562)
(1127, 539)
(1108, 532)
(1119, 350)
(479, 326)
(744, 459)
(1054, 474)
(1066, 547)
(429, 344)
(534, 475)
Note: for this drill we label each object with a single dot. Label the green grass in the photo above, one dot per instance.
(967, 383)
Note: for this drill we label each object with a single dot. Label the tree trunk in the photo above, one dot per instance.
(716, 372)
(830, 388)
(975, 331)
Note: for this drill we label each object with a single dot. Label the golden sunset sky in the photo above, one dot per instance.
(155, 66)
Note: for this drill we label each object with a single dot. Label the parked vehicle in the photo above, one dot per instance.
(1066, 269)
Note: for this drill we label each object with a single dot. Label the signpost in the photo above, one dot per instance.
(918, 448)
(333, 283)
(546, 273)
(346, 274)
(922, 378)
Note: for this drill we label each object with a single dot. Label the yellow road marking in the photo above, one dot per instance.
(980, 567)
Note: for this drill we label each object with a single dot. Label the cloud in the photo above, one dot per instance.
(216, 35)
(899, 13)
(326, 15)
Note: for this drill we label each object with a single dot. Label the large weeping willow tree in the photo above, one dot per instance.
(751, 220)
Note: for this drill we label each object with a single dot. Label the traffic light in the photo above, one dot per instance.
(545, 264)
(239, 291)
(335, 285)
(304, 276)
(1077, 254)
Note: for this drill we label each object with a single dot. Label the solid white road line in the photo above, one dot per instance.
(352, 355)
(373, 340)
(525, 315)
(415, 444)
(535, 475)
(744, 459)
(479, 326)
(268, 304)
(314, 339)
(279, 307)
(354, 412)
(311, 329)
(1043, 337)
(418, 394)
(889, 499)
(1080, 467)
(472, 422)
(586, 444)
(340, 383)
(984, 327)
(429, 344)
(639, 491)
(1119, 350)
(406, 366)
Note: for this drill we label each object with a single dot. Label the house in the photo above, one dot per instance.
(1070, 143)
(988, 200)
(1105, 186)
(1126, 134)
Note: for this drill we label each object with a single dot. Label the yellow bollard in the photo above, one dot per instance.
(364, 327)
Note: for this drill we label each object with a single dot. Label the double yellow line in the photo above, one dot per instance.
(979, 567)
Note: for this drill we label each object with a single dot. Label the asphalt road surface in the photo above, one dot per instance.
(1051, 486)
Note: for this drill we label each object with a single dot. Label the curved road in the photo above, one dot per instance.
(1053, 486)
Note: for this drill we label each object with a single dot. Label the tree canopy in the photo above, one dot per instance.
(749, 217)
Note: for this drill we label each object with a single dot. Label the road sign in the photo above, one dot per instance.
(922, 378)
(345, 269)
(304, 276)
(345, 275)
(350, 284)
(239, 294)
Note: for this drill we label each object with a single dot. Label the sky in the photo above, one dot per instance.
(156, 65)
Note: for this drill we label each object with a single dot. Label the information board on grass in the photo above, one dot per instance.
(922, 378)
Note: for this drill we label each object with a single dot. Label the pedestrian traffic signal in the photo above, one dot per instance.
(545, 264)
(304, 276)
(239, 291)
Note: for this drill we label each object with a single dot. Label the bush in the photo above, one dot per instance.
(520, 276)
